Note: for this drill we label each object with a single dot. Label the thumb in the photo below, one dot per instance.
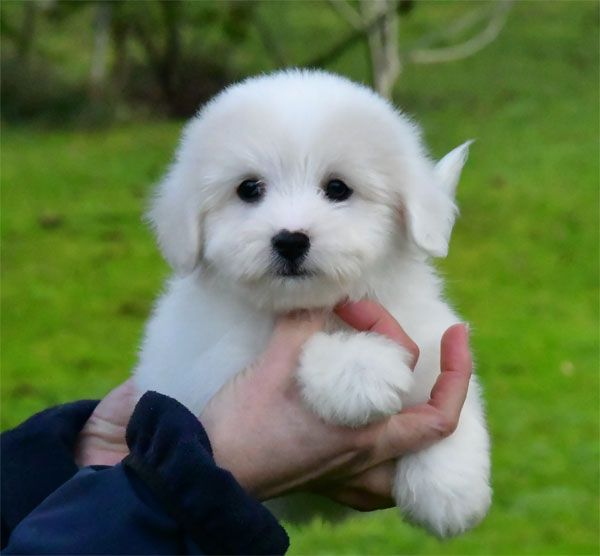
(289, 335)
(117, 406)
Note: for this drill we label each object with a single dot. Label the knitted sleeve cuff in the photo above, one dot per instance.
(171, 453)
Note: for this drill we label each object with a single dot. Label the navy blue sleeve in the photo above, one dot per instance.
(37, 458)
(167, 497)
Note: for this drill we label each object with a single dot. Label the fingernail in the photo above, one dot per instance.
(467, 328)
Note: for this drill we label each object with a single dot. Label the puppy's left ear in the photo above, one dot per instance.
(176, 222)
(448, 169)
(431, 210)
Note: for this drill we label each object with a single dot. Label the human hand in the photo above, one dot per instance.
(261, 431)
(102, 439)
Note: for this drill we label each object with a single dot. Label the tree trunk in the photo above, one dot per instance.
(27, 34)
(383, 44)
(119, 32)
(100, 54)
(170, 60)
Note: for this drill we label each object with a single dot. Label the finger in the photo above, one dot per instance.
(422, 425)
(359, 500)
(368, 316)
(367, 491)
(450, 390)
(117, 406)
(289, 335)
(410, 431)
(377, 480)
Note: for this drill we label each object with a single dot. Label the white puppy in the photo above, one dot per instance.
(297, 190)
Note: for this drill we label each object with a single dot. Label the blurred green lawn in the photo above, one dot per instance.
(80, 272)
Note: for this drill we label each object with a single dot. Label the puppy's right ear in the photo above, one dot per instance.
(175, 219)
(448, 169)
(430, 207)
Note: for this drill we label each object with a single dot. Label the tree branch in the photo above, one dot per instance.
(453, 29)
(467, 48)
(347, 12)
(383, 44)
(353, 37)
(273, 48)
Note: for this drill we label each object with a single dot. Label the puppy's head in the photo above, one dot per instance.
(295, 187)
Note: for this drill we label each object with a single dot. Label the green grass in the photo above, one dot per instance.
(80, 272)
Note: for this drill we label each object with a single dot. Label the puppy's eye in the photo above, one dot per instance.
(337, 190)
(250, 191)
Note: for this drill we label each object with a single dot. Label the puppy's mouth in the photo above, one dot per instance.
(292, 271)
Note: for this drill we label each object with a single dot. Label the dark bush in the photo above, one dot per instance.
(194, 80)
(37, 91)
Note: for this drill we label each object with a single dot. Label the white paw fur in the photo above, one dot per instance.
(351, 379)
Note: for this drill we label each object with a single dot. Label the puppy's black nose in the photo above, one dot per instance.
(292, 246)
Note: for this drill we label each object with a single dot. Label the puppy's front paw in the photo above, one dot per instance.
(354, 378)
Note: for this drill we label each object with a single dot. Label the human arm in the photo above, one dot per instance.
(263, 434)
(37, 458)
(166, 497)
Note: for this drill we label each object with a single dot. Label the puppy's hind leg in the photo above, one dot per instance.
(354, 378)
(446, 487)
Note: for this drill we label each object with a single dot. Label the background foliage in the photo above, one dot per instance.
(80, 271)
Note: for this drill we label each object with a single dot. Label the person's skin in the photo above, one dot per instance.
(260, 430)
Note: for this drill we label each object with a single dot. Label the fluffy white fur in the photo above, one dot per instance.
(295, 131)
(369, 374)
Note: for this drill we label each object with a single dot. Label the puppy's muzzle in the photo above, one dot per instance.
(291, 246)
